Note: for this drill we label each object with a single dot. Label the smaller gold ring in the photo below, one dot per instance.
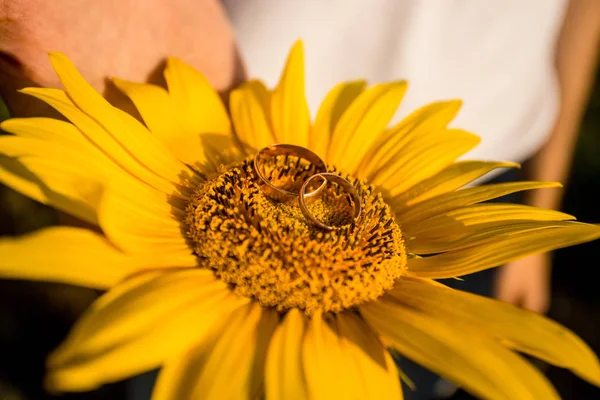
(347, 186)
(278, 193)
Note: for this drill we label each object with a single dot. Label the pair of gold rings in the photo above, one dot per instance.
(309, 189)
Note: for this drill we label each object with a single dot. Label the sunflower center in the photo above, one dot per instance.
(269, 251)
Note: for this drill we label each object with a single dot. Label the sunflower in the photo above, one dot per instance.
(235, 295)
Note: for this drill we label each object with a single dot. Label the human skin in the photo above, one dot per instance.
(131, 38)
(125, 38)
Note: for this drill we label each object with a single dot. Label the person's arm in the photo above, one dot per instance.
(526, 282)
(127, 39)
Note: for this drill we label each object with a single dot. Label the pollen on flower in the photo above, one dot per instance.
(267, 250)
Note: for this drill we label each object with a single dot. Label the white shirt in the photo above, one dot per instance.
(497, 56)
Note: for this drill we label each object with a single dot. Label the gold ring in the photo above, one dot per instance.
(276, 192)
(347, 186)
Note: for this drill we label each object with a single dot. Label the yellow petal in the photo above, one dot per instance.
(249, 110)
(480, 216)
(376, 371)
(127, 131)
(449, 179)
(57, 163)
(473, 361)
(475, 236)
(135, 306)
(15, 174)
(141, 337)
(48, 129)
(223, 369)
(322, 359)
(154, 105)
(204, 152)
(502, 249)
(520, 329)
(423, 157)
(76, 169)
(430, 118)
(68, 181)
(362, 123)
(266, 329)
(136, 228)
(104, 140)
(63, 143)
(196, 100)
(289, 110)
(64, 254)
(203, 145)
(464, 197)
(330, 112)
(284, 375)
(22, 145)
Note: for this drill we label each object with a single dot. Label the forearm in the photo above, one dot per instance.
(576, 59)
(130, 40)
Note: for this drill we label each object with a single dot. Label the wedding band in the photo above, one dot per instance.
(329, 177)
(276, 192)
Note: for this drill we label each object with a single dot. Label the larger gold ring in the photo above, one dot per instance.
(329, 177)
(276, 192)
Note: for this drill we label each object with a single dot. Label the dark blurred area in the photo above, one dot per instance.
(35, 317)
